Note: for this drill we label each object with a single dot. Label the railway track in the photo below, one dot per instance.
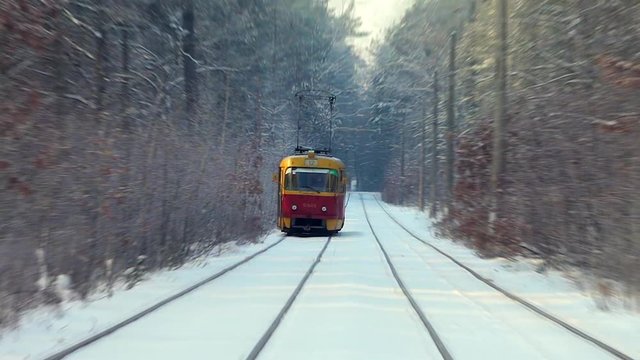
(423, 318)
(611, 350)
(264, 339)
(110, 330)
(291, 300)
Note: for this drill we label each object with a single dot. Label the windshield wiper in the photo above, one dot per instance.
(312, 188)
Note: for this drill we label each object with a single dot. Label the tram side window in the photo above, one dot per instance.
(288, 180)
(334, 181)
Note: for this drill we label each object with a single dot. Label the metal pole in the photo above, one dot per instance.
(332, 100)
(299, 116)
(434, 147)
(500, 122)
(451, 124)
(423, 159)
(402, 146)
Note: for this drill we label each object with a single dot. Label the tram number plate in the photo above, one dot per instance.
(310, 162)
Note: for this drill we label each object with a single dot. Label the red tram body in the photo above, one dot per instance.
(311, 193)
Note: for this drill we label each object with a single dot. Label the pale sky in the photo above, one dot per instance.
(376, 16)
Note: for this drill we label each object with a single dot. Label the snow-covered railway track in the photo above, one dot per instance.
(110, 330)
(255, 352)
(432, 331)
(528, 305)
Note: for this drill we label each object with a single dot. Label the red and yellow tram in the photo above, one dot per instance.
(311, 189)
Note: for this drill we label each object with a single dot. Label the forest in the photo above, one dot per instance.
(137, 135)
(516, 125)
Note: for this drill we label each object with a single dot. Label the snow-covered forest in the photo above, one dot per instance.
(517, 126)
(139, 134)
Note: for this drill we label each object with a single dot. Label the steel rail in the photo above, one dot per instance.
(255, 352)
(81, 344)
(432, 331)
(512, 296)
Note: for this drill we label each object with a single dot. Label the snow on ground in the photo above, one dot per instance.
(351, 307)
(221, 320)
(474, 320)
(554, 292)
(45, 330)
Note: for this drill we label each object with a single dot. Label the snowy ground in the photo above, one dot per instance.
(47, 330)
(554, 291)
(221, 320)
(350, 308)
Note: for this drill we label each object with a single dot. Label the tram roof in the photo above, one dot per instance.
(312, 160)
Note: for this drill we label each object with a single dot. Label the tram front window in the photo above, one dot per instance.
(311, 179)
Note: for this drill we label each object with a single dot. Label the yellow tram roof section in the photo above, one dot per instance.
(312, 160)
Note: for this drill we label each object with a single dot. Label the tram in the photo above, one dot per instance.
(311, 183)
(311, 191)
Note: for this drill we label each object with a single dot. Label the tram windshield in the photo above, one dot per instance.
(312, 179)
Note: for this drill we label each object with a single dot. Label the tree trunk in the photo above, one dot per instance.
(402, 146)
(225, 116)
(124, 69)
(500, 122)
(434, 148)
(451, 131)
(189, 60)
(423, 159)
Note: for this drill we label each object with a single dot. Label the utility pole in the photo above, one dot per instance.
(500, 123)
(124, 70)
(434, 148)
(402, 145)
(189, 62)
(423, 156)
(451, 119)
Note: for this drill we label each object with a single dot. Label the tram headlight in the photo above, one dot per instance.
(294, 207)
(324, 209)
